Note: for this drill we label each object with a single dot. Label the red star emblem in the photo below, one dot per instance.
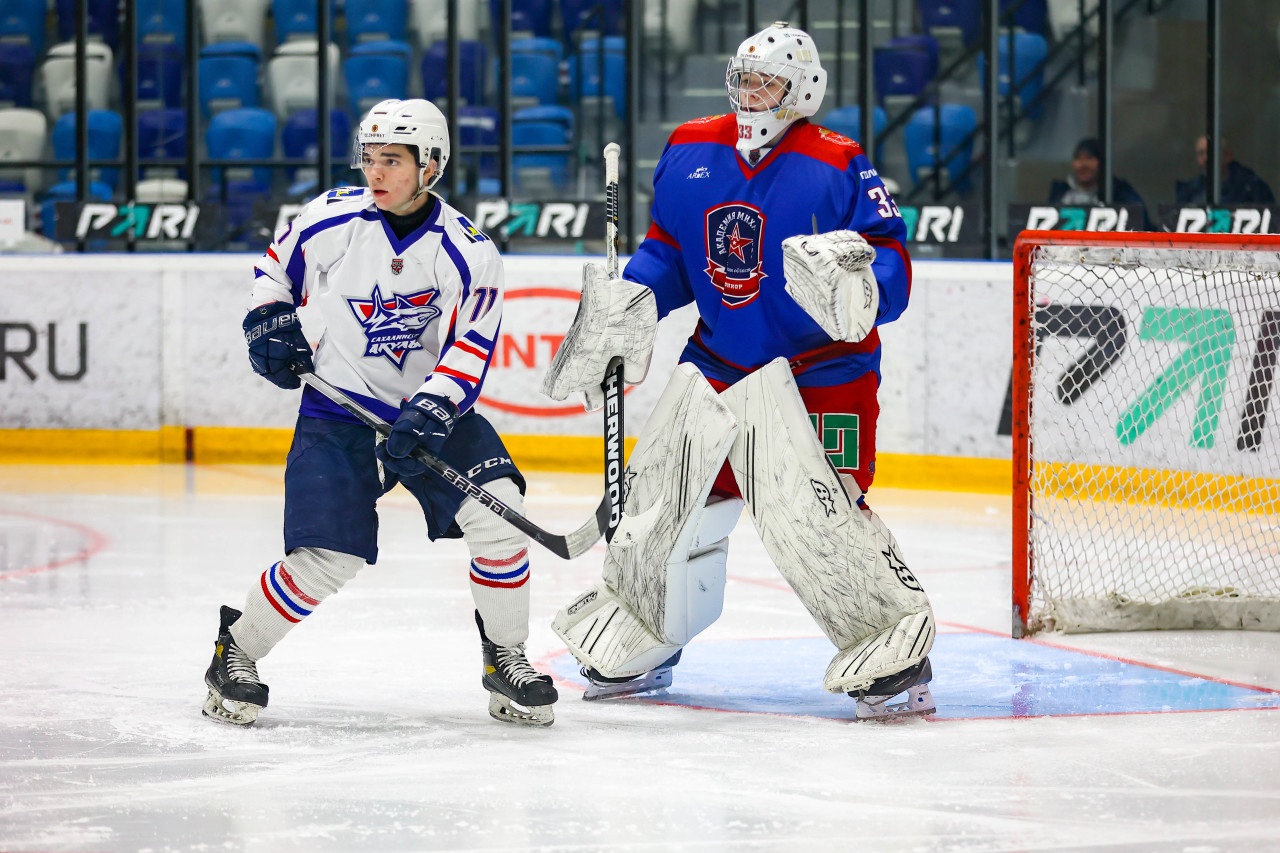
(737, 243)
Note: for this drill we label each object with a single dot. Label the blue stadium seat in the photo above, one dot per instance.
(103, 21)
(531, 169)
(162, 22)
(562, 116)
(920, 41)
(1032, 17)
(17, 67)
(957, 122)
(527, 16)
(901, 73)
(472, 61)
(245, 134)
(105, 130)
(162, 135)
(584, 78)
(578, 15)
(376, 20)
(227, 82)
(234, 48)
(535, 75)
(479, 126)
(301, 138)
(549, 46)
(375, 78)
(385, 47)
(23, 20)
(939, 16)
(612, 44)
(1029, 51)
(847, 121)
(159, 76)
(297, 18)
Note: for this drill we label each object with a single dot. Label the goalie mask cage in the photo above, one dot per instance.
(1146, 446)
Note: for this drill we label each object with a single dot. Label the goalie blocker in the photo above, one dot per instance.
(664, 571)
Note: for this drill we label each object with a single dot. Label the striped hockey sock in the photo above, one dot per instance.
(288, 592)
(499, 566)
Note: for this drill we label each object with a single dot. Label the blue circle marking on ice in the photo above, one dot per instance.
(975, 676)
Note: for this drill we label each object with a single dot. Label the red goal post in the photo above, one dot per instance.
(1146, 449)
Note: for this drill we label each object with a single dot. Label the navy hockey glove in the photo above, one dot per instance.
(277, 345)
(425, 422)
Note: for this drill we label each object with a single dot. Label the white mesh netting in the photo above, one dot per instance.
(1155, 445)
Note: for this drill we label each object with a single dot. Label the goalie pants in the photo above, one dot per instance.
(844, 416)
(332, 484)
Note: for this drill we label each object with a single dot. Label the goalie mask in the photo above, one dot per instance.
(416, 123)
(774, 79)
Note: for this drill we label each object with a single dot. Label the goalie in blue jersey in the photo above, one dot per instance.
(785, 237)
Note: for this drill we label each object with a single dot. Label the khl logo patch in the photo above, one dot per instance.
(393, 324)
(734, 263)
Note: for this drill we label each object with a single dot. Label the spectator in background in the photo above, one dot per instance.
(1081, 188)
(1240, 184)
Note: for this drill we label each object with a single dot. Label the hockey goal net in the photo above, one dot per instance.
(1146, 447)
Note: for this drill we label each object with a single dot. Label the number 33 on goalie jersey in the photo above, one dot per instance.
(387, 317)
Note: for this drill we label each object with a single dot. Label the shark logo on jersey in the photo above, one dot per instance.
(393, 324)
(734, 262)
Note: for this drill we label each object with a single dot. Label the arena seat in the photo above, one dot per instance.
(539, 172)
(553, 48)
(233, 21)
(472, 62)
(103, 20)
(162, 135)
(162, 22)
(300, 137)
(22, 137)
(58, 77)
(376, 20)
(536, 76)
(951, 20)
(847, 121)
(527, 16)
(22, 22)
(428, 20)
(105, 131)
(581, 16)
(292, 74)
(957, 122)
(244, 134)
(159, 76)
(227, 81)
(901, 74)
(479, 126)
(17, 68)
(296, 19)
(375, 77)
(1029, 50)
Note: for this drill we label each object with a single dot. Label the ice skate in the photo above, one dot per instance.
(874, 704)
(236, 694)
(602, 687)
(518, 693)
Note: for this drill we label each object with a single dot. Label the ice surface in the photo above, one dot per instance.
(377, 737)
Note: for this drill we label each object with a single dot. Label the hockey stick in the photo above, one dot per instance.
(573, 545)
(614, 433)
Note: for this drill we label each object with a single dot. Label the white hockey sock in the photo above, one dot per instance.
(287, 593)
(499, 566)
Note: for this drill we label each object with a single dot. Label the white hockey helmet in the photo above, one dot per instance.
(774, 79)
(415, 122)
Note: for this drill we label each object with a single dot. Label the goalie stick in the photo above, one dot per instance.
(567, 547)
(614, 434)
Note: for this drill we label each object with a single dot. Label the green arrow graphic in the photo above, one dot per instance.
(1211, 335)
(522, 216)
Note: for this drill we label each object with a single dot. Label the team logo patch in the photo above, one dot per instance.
(734, 263)
(393, 324)
(472, 233)
(397, 265)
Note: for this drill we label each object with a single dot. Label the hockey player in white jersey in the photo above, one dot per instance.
(404, 297)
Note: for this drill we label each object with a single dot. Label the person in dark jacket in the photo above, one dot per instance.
(1082, 187)
(1240, 184)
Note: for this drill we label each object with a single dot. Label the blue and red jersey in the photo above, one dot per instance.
(716, 239)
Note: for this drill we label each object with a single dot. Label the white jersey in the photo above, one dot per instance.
(387, 317)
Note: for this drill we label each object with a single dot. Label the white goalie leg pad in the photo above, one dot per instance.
(840, 564)
(664, 568)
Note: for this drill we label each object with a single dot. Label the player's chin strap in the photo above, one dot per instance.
(567, 547)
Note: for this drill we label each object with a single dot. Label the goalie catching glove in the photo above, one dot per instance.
(615, 318)
(830, 277)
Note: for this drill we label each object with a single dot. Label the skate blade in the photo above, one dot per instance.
(504, 710)
(654, 680)
(230, 711)
(919, 702)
